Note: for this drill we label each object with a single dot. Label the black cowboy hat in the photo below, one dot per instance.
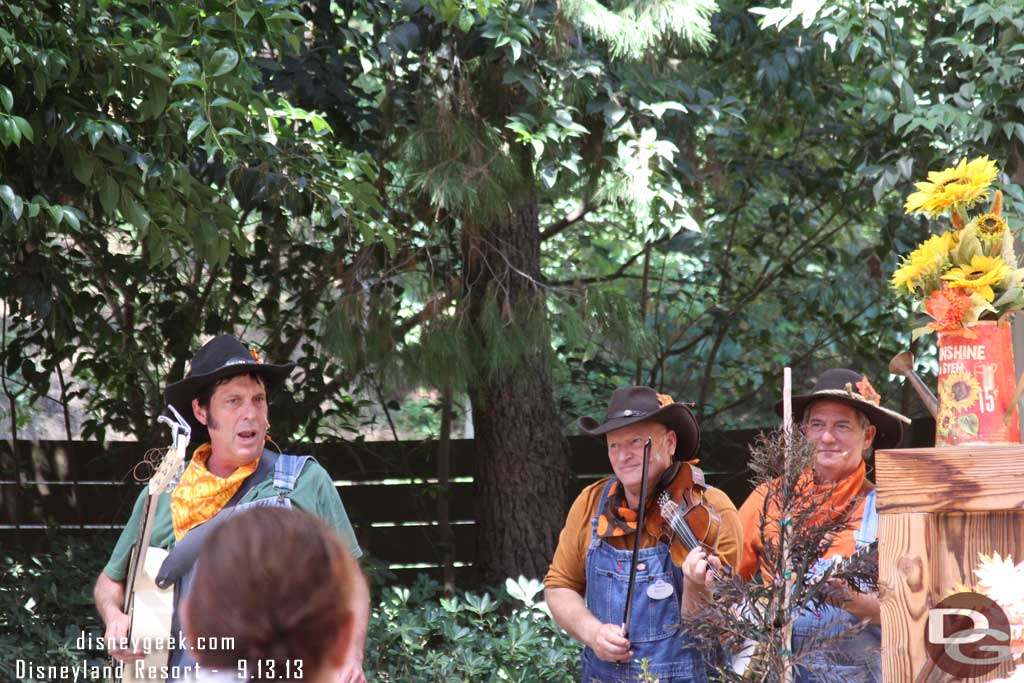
(221, 357)
(853, 389)
(630, 405)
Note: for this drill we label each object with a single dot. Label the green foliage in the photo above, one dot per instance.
(419, 635)
(635, 29)
(46, 606)
(154, 192)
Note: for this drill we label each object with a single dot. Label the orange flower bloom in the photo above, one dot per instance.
(947, 306)
(868, 391)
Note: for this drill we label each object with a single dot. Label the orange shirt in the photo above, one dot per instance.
(838, 497)
(568, 567)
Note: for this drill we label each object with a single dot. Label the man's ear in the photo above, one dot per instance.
(199, 411)
(869, 436)
(671, 440)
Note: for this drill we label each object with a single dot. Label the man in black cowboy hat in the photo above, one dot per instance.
(843, 418)
(587, 583)
(224, 396)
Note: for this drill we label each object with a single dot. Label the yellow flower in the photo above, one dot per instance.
(979, 276)
(958, 391)
(965, 184)
(990, 225)
(926, 260)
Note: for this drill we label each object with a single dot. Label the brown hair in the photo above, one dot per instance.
(277, 581)
(206, 393)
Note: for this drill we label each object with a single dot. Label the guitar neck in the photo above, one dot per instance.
(138, 555)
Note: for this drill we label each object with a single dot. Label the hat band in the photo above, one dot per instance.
(626, 413)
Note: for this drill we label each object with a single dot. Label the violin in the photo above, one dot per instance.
(684, 520)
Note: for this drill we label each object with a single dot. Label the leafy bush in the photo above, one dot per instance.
(419, 635)
(46, 605)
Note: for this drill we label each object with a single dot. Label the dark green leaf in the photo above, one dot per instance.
(222, 61)
(6, 97)
(110, 194)
(25, 127)
(195, 128)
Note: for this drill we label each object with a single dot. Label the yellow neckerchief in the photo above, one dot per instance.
(201, 494)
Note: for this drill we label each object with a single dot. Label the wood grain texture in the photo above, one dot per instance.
(960, 479)
(905, 543)
(939, 510)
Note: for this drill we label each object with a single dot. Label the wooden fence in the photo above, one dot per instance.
(390, 490)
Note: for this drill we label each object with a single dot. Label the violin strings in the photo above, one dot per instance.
(683, 530)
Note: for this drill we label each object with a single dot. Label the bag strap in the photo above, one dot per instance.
(184, 553)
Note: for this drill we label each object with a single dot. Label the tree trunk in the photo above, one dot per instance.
(522, 459)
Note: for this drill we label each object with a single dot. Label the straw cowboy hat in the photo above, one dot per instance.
(630, 405)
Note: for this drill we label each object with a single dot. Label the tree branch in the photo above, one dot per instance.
(574, 217)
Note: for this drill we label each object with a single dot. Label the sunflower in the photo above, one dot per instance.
(926, 260)
(945, 424)
(965, 185)
(979, 276)
(959, 391)
(990, 225)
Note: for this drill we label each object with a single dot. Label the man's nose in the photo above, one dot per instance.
(249, 409)
(826, 435)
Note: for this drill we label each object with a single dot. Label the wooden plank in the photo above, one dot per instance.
(905, 543)
(466, 578)
(960, 479)
(112, 504)
(415, 544)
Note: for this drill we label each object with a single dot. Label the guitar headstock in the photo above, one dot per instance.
(166, 472)
(181, 434)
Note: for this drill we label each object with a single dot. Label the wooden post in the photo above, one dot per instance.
(938, 509)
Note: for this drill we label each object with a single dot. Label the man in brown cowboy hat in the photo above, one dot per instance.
(843, 418)
(587, 583)
(224, 396)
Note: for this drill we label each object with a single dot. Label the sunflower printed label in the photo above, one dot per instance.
(976, 382)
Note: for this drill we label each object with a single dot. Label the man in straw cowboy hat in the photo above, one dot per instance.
(224, 396)
(587, 583)
(842, 418)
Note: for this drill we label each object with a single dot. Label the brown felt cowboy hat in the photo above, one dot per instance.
(853, 389)
(630, 405)
(219, 358)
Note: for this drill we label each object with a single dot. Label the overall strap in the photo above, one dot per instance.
(868, 530)
(184, 553)
(600, 505)
(287, 471)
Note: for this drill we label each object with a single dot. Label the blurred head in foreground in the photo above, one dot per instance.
(279, 582)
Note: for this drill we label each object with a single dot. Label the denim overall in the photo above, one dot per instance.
(854, 658)
(286, 472)
(654, 630)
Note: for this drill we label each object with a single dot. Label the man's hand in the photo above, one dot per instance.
(109, 596)
(117, 631)
(351, 672)
(610, 645)
(863, 606)
(697, 568)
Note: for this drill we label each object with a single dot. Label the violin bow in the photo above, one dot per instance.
(640, 514)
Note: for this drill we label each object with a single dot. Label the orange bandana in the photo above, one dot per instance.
(201, 494)
(832, 501)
